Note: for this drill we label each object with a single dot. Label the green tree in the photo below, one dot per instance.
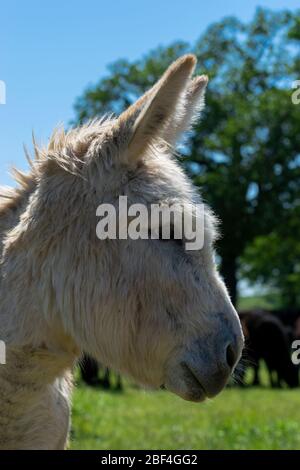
(274, 259)
(245, 152)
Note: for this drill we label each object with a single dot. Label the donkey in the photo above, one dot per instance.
(147, 308)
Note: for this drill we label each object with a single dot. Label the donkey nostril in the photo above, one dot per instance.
(230, 356)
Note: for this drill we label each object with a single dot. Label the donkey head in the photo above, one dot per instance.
(146, 307)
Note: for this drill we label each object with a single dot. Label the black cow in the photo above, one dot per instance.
(90, 373)
(267, 339)
(288, 316)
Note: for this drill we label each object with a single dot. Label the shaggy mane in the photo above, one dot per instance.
(66, 149)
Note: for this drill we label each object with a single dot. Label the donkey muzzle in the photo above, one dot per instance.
(203, 370)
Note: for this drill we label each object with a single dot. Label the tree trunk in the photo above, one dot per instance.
(229, 274)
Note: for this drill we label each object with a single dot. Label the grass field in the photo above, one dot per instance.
(250, 418)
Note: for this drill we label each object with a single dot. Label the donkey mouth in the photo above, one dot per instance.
(186, 385)
(196, 391)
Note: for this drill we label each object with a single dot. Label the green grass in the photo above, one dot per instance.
(268, 301)
(250, 418)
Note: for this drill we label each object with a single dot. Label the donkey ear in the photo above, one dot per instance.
(192, 106)
(152, 113)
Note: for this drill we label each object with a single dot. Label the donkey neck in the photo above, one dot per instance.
(28, 370)
(34, 399)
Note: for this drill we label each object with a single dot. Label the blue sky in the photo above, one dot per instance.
(50, 51)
